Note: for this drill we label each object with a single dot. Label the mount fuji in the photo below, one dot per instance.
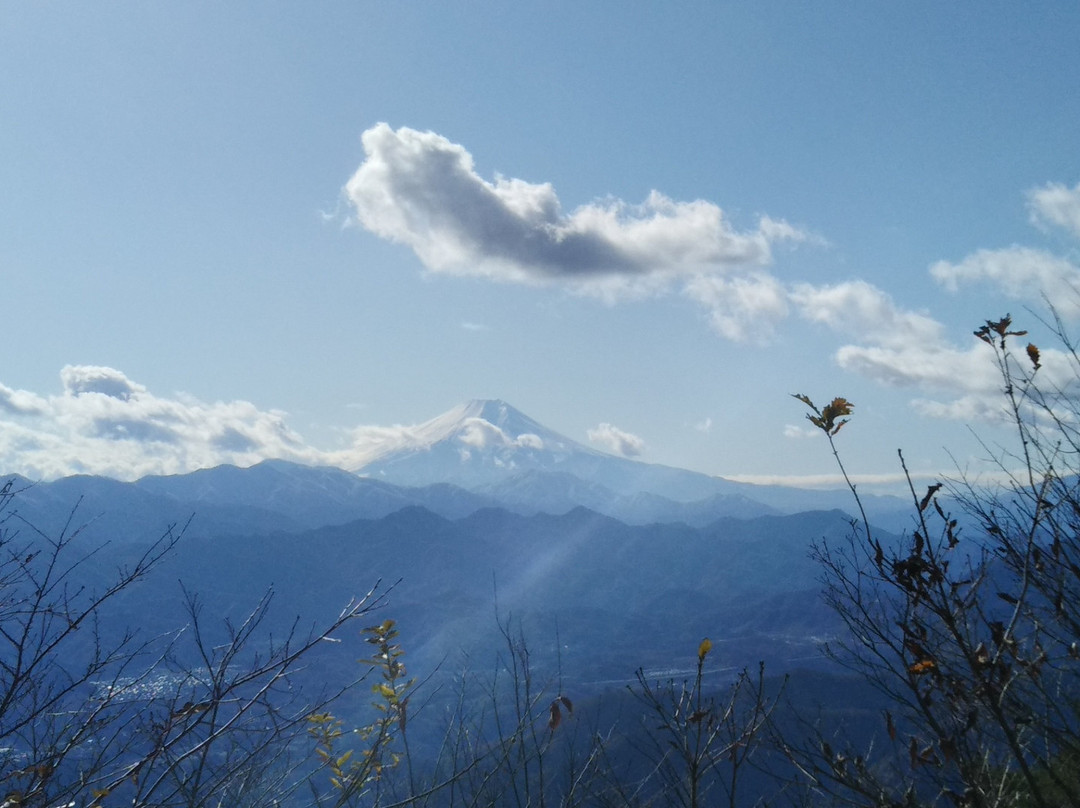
(493, 450)
(486, 443)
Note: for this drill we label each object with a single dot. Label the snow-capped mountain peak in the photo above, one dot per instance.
(474, 443)
(487, 442)
(484, 420)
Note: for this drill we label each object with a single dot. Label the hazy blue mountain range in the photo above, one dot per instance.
(480, 455)
(616, 596)
(484, 511)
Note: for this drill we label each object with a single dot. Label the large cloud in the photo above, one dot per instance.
(104, 423)
(419, 189)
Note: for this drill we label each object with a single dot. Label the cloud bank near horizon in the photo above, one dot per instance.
(104, 423)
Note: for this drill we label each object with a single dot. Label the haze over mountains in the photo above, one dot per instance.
(481, 454)
(489, 447)
(478, 513)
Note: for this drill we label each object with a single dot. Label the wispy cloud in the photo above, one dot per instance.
(1020, 273)
(797, 432)
(894, 346)
(422, 190)
(744, 307)
(887, 482)
(1056, 204)
(616, 440)
(858, 308)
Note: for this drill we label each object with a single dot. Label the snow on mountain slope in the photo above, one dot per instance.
(487, 442)
(476, 426)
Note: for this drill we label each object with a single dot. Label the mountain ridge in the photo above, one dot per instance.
(484, 453)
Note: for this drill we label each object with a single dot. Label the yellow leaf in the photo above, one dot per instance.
(703, 649)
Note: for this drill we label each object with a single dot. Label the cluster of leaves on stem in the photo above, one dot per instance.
(355, 774)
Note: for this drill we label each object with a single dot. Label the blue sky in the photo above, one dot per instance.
(230, 231)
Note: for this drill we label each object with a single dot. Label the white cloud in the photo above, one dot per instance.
(899, 347)
(1056, 204)
(969, 409)
(616, 440)
(908, 349)
(1020, 273)
(860, 309)
(779, 230)
(81, 379)
(370, 441)
(896, 346)
(741, 308)
(420, 189)
(530, 441)
(104, 423)
(864, 481)
(481, 434)
(800, 432)
(704, 426)
(929, 366)
(904, 348)
(20, 402)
